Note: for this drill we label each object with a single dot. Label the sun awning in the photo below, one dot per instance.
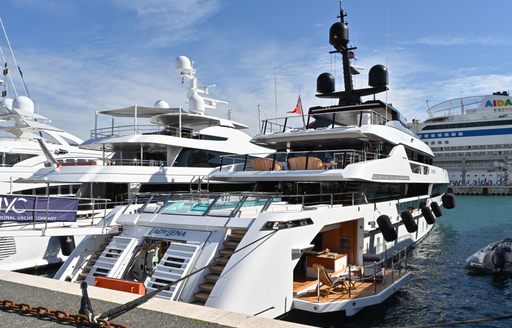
(140, 111)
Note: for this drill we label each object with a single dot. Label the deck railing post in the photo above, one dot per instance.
(399, 264)
(245, 161)
(318, 284)
(375, 277)
(349, 282)
(93, 211)
(392, 269)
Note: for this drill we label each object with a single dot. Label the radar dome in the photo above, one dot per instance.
(183, 65)
(196, 104)
(325, 83)
(338, 35)
(378, 76)
(23, 103)
(161, 104)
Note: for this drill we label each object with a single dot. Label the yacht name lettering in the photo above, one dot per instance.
(168, 232)
(8, 204)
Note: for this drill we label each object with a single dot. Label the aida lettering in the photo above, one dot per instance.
(498, 103)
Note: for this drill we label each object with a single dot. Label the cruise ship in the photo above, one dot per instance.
(471, 138)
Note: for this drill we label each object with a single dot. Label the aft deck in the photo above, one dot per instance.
(352, 288)
(306, 288)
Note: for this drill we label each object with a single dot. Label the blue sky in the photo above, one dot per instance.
(86, 55)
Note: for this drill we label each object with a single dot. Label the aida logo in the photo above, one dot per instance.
(498, 103)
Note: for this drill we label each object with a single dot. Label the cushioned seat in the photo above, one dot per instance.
(265, 164)
(305, 163)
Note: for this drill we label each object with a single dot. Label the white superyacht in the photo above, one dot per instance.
(322, 228)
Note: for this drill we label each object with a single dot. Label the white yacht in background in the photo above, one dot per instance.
(159, 148)
(173, 153)
(321, 229)
(22, 131)
(27, 143)
(471, 137)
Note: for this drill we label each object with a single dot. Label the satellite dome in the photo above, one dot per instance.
(183, 65)
(161, 104)
(378, 76)
(23, 103)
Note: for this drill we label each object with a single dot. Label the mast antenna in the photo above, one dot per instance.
(15, 63)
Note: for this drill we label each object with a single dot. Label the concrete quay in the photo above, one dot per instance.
(65, 296)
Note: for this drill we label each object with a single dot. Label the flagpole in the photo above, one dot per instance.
(302, 113)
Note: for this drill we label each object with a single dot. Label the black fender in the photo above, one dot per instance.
(409, 222)
(386, 228)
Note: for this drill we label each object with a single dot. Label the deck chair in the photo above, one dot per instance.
(265, 164)
(326, 280)
(305, 163)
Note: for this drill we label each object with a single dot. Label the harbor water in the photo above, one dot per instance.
(442, 289)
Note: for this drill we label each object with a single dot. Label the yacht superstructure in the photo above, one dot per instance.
(321, 229)
(471, 138)
(159, 149)
(172, 153)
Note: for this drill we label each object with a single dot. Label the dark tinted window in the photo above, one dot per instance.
(198, 158)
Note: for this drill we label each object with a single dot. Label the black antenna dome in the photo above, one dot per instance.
(378, 76)
(325, 83)
(338, 35)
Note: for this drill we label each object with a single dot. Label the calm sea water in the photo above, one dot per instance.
(442, 289)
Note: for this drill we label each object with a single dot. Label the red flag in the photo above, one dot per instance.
(298, 107)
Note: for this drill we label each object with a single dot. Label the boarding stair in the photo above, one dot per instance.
(92, 260)
(218, 264)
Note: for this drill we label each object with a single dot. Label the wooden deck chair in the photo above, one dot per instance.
(305, 163)
(265, 164)
(326, 280)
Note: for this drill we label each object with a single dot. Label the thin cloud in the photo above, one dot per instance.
(461, 41)
(171, 21)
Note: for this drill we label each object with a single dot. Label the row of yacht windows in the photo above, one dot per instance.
(10, 159)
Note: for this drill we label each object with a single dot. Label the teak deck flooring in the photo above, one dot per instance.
(361, 289)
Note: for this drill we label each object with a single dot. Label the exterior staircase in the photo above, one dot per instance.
(218, 264)
(90, 263)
